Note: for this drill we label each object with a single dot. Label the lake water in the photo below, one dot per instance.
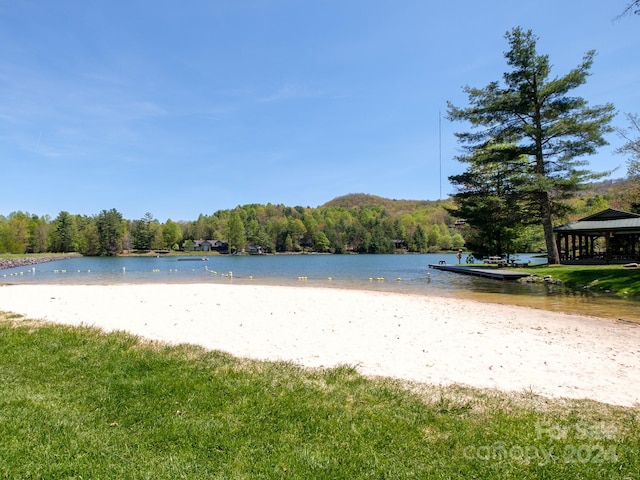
(397, 273)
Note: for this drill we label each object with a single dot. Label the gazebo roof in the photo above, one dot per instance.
(608, 220)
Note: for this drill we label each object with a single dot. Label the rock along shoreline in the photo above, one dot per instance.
(25, 261)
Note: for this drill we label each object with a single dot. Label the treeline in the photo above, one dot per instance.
(352, 223)
(370, 225)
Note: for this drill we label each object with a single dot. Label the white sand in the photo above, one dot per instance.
(421, 338)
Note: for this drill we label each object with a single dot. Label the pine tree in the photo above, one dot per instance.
(549, 129)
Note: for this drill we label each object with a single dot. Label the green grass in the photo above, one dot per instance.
(78, 403)
(614, 279)
(13, 256)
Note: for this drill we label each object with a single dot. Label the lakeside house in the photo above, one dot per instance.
(253, 250)
(205, 246)
(609, 236)
(219, 246)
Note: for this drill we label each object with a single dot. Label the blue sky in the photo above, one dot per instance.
(182, 108)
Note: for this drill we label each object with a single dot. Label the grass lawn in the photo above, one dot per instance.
(14, 256)
(615, 279)
(79, 403)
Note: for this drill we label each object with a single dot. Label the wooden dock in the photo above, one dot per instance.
(493, 273)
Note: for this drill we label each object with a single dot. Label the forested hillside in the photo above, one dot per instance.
(358, 223)
(351, 223)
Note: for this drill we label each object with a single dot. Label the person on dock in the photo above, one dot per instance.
(459, 256)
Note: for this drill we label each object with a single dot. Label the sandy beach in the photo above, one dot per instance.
(419, 338)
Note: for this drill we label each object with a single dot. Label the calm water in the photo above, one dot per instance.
(397, 273)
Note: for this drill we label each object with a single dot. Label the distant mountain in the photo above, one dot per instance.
(365, 200)
(619, 193)
(608, 187)
(615, 191)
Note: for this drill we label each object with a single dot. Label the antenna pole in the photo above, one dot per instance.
(440, 152)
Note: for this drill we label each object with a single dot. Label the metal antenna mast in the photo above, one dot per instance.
(440, 152)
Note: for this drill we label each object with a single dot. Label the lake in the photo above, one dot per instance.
(408, 273)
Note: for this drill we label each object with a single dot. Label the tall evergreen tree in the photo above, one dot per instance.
(492, 197)
(64, 234)
(110, 232)
(419, 240)
(549, 128)
(143, 232)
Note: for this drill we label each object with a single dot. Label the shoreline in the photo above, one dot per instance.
(427, 339)
(604, 308)
(7, 263)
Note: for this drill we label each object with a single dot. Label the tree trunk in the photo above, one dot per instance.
(547, 225)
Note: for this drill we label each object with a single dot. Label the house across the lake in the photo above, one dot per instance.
(253, 250)
(610, 236)
(205, 246)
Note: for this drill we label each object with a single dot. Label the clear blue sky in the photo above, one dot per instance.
(182, 108)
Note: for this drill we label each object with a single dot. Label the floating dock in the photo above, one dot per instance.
(494, 273)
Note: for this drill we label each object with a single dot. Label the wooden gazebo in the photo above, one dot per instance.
(610, 236)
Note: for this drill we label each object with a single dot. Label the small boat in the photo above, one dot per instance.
(194, 259)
